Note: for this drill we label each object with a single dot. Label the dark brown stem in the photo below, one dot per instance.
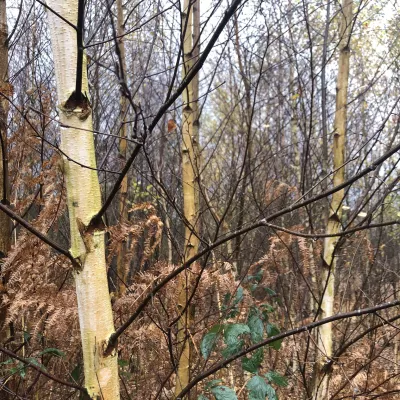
(38, 234)
(326, 235)
(292, 332)
(42, 371)
(79, 43)
(57, 14)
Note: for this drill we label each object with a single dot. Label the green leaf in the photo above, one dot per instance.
(260, 390)
(232, 304)
(270, 292)
(225, 305)
(123, 363)
(211, 384)
(9, 361)
(256, 328)
(227, 299)
(223, 393)
(22, 372)
(273, 330)
(231, 338)
(277, 379)
(27, 336)
(217, 328)
(238, 296)
(202, 397)
(266, 310)
(208, 343)
(257, 277)
(257, 388)
(253, 287)
(271, 394)
(232, 331)
(233, 348)
(209, 340)
(52, 351)
(76, 373)
(252, 364)
(14, 370)
(35, 362)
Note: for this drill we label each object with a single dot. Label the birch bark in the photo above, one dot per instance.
(190, 133)
(325, 334)
(84, 201)
(122, 265)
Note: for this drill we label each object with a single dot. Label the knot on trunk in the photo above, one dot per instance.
(77, 104)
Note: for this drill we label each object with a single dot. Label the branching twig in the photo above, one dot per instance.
(292, 332)
(42, 371)
(38, 234)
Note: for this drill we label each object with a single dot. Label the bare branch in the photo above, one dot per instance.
(305, 328)
(42, 371)
(38, 234)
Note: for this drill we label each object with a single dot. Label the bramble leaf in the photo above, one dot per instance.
(223, 393)
(277, 379)
(253, 363)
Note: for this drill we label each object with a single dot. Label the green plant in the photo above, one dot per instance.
(235, 336)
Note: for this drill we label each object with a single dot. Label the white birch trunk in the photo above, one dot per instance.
(84, 201)
(190, 132)
(122, 265)
(325, 336)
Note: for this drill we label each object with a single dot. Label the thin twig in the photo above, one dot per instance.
(292, 332)
(42, 371)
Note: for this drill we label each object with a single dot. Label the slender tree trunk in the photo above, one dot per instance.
(325, 335)
(190, 139)
(163, 203)
(294, 90)
(293, 127)
(84, 201)
(5, 222)
(324, 117)
(247, 156)
(122, 264)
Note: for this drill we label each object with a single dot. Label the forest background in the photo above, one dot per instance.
(199, 199)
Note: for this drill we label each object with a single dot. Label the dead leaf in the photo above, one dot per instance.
(171, 125)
